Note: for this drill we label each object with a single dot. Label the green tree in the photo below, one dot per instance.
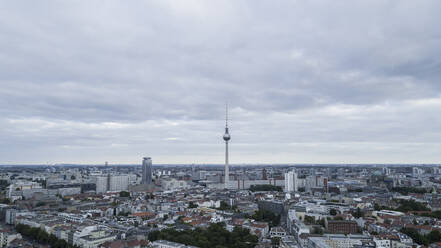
(214, 236)
(358, 213)
(309, 219)
(275, 241)
(317, 230)
(267, 216)
(332, 212)
(3, 184)
(124, 194)
(224, 206)
(413, 233)
(411, 205)
(265, 187)
(41, 236)
(407, 190)
(434, 236)
(321, 222)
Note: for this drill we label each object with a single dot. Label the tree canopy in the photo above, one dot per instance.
(405, 206)
(265, 215)
(124, 194)
(42, 236)
(407, 190)
(432, 237)
(214, 236)
(265, 187)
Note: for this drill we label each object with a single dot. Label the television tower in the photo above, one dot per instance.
(226, 137)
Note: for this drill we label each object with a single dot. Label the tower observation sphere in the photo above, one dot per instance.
(227, 136)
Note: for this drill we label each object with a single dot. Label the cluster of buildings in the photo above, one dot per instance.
(301, 206)
(101, 206)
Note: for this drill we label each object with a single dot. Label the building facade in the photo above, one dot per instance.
(291, 182)
(146, 171)
(112, 183)
(341, 226)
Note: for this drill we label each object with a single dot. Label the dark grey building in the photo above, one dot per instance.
(273, 206)
(147, 170)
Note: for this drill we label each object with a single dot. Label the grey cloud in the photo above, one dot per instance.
(67, 68)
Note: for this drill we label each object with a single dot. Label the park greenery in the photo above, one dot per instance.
(3, 184)
(149, 196)
(275, 241)
(215, 236)
(192, 205)
(310, 220)
(358, 213)
(407, 190)
(267, 216)
(317, 230)
(434, 214)
(405, 206)
(124, 194)
(432, 237)
(265, 187)
(42, 237)
(333, 211)
(224, 206)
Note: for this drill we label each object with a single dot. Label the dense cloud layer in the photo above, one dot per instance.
(307, 82)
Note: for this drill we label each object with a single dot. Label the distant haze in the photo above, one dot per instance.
(306, 82)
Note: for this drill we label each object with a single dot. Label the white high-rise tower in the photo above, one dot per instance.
(226, 137)
(291, 182)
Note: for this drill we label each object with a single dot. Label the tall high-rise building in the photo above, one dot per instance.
(417, 171)
(291, 182)
(264, 174)
(226, 137)
(146, 171)
(102, 183)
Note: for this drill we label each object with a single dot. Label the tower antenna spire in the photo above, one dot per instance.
(226, 115)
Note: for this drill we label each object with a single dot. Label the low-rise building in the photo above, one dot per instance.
(169, 244)
(341, 226)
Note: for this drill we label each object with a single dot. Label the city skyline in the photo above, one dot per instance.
(306, 82)
(232, 123)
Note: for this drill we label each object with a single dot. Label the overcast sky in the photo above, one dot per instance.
(306, 81)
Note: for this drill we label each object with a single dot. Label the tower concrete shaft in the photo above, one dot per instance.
(227, 169)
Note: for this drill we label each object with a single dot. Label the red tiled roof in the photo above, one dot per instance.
(144, 214)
